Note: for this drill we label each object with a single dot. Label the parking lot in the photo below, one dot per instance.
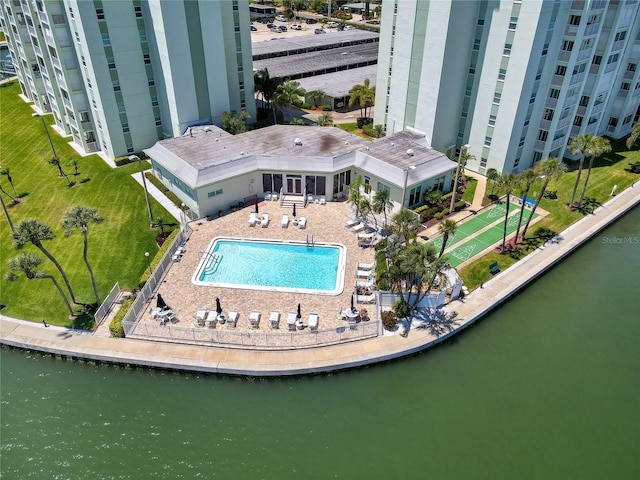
(263, 33)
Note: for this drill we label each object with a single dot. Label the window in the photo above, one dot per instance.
(533, 98)
(507, 49)
(147, 59)
(481, 21)
(138, 11)
(77, 37)
(214, 193)
(620, 36)
(154, 101)
(129, 148)
(567, 45)
(592, 120)
(111, 63)
(472, 71)
(561, 70)
(125, 128)
(476, 44)
(143, 35)
(542, 135)
(537, 156)
(487, 141)
(116, 86)
(414, 195)
(502, 74)
(151, 82)
(158, 121)
(584, 101)
(596, 60)
(521, 141)
(579, 68)
(121, 107)
(548, 114)
(574, 20)
(492, 120)
(577, 121)
(625, 85)
(496, 98)
(83, 60)
(545, 49)
(613, 122)
(627, 119)
(106, 41)
(612, 59)
(71, 12)
(586, 44)
(100, 13)
(512, 23)
(631, 67)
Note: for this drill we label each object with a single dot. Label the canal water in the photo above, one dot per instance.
(546, 387)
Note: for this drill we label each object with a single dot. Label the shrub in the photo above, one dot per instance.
(163, 188)
(389, 320)
(459, 205)
(367, 129)
(432, 197)
(401, 308)
(438, 216)
(326, 107)
(445, 211)
(550, 194)
(634, 167)
(115, 327)
(298, 102)
(447, 197)
(306, 105)
(362, 121)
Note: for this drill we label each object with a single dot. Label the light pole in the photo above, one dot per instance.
(455, 181)
(404, 188)
(146, 193)
(146, 254)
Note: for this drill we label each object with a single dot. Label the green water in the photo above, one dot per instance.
(546, 387)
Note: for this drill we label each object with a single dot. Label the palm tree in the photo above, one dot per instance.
(266, 86)
(415, 261)
(34, 232)
(382, 202)
(80, 217)
(492, 176)
(288, 92)
(28, 264)
(5, 171)
(447, 228)
(508, 182)
(354, 196)
(13, 199)
(363, 95)
(74, 163)
(600, 145)
(6, 214)
(635, 134)
(464, 157)
(527, 177)
(316, 95)
(405, 225)
(550, 169)
(325, 120)
(583, 145)
(159, 221)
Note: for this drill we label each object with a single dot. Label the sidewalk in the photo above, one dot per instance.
(160, 197)
(58, 341)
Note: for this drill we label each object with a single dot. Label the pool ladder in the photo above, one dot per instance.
(310, 243)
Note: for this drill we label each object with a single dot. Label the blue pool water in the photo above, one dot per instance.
(272, 265)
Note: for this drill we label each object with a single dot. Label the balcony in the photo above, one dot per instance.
(617, 45)
(557, 80)
(564, 55)
(623, 93)
(592, 29)
(577, 78)
(597, 108)
(56, 62)
(584, 54)
(628, 75)
(571, 30)
(558, 143)
(539, 145)
(564, 122)
(551, 102)
(67, 103)
(594, 68)
(545, 124)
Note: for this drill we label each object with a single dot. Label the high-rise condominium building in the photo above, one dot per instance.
(119, 75)
(515, 80)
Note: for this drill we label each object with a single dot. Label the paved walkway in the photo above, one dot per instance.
(291, 362)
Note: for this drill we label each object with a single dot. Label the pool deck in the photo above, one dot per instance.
(62, 341)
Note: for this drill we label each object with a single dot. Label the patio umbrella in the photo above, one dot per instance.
(352, 307)
(256, 205)
(218, 306)
(299, 313)
(294, 211)
(160, 303)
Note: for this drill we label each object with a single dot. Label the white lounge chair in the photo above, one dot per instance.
(313, 321)
(265, 220)
(267, 195)
(291, 321)
(285, 220)
(365, 266)
(232, 320)
(252, 219)
(366, 298)
(254, 319)
(359, 227)
(351, 222)
(362, 236)
(365, 273)
(302, 222)
(212, 319)
(274, 319)
(201, 314)
(362, 284)
(323, 200)
(309, 198)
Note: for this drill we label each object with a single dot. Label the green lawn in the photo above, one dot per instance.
(116, 246)
(608, 170)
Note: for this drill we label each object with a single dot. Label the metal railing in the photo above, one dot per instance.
(139, 304)
(265, 340)
(103, 309)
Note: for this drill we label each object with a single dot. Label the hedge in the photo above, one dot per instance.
(115, 327)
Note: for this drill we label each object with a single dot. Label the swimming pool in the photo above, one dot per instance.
(274, 265)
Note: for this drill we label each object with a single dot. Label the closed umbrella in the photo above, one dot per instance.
(256, 206)
(294, 211)
(299, 312)
(352, 307)
(160, 303)
(218, 306)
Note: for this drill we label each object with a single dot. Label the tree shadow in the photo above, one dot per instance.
(588, 205)
(83, 321)
(436, 320)
(85, 180)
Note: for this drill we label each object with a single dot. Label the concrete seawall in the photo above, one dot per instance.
(62, 341)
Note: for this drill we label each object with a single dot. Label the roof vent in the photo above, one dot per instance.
(297, 141)
(346, 142)
(367, 149)
(217, 139)
(241, 153)
(410, 152)
(207, 129)
(393, 144)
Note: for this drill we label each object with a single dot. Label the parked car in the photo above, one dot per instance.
(296, 26)
(270, 25)
(282, 28)
(319, 30)
(332, 25)
(281, 18)
(349, 27)
(275, 28)
(254, 29)
(265, 20)
(311, 21)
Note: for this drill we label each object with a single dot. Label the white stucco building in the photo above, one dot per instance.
(211, 170)
(119, 75)
(516, 80)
